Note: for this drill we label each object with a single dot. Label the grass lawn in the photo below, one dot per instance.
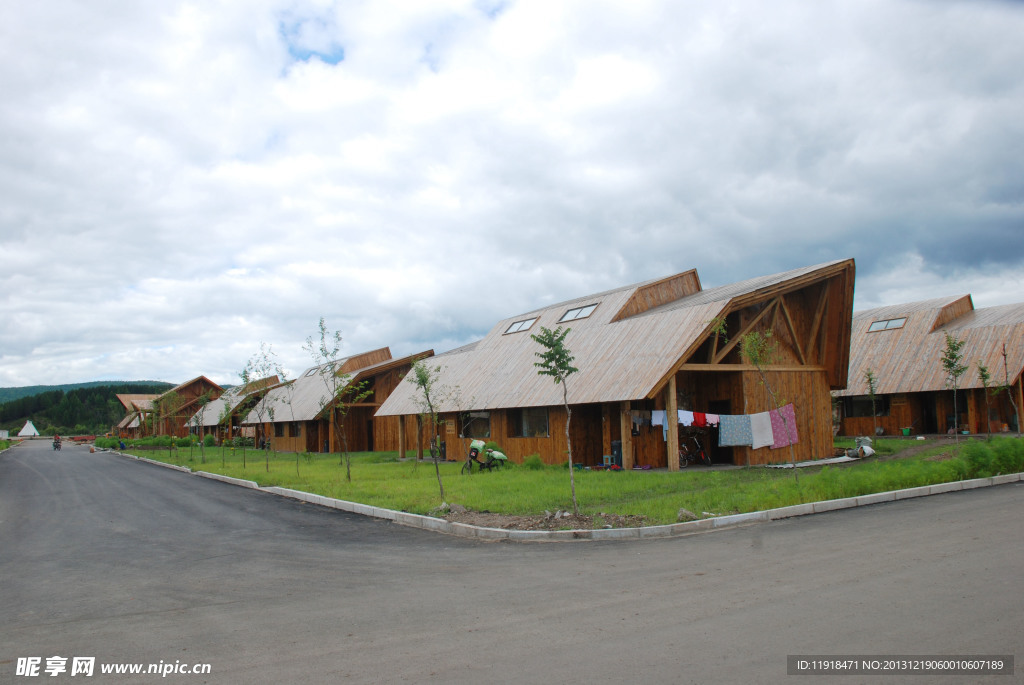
(381, 479)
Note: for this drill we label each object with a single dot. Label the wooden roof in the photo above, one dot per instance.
(229, 401)
(635, 338)
(136, 402)
(305, 398)
(908, 359)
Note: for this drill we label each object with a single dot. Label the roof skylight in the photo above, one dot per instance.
(887, 324)
(519, 326)
(578, 313)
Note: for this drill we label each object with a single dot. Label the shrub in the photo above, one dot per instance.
(210, 441)
(183, 442)
(533, 463)
(978, 456)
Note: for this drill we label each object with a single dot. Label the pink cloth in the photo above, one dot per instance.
(713, 419)
(780, 427)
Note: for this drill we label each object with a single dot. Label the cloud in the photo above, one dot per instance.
(178, 185)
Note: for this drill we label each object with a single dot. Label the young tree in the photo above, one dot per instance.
(341, 392)
(1008, 387)
(260, 367)
(761, 350)
(986, 381)
(556, 361)
(427, 381)
(203, 401)
(872, 381)
(953, 366)
(165, 408)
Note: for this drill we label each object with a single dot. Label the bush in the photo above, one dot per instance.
(978, 456)
(533, 463)
(183, 442)
(210, 441)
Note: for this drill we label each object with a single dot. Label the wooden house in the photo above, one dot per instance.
(221, 417)
(171, 410)
(296, 416)
(136, 407)
(661, 346)
(902, 345)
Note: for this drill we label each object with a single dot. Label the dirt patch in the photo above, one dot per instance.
(545, 522)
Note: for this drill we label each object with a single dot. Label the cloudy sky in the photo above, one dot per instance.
(181, 181)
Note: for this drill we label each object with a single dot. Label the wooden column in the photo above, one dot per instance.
(401, 437)
(606, 429)
(1020, 404)
(419, 436)
(626, 431)
(672, 423)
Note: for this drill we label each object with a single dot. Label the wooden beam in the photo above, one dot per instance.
(401, 437)
(792, 331)
(819, 313)
(626, 434)
(728, 368)
(672, 423)
(772, 306)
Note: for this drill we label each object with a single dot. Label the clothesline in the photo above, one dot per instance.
(775, 428)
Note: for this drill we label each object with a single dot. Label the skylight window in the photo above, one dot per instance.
(311, 372)
(887, 324)
(578, 313)
(520, 325)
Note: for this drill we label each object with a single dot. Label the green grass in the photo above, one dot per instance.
(380, 479)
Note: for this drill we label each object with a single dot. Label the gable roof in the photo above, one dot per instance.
(908, 358)
(626, 348)
(229, 401)
(136, 402)
(305, 398)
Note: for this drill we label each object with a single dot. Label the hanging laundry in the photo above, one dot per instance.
(658, 418)
(700, 419)
(761, 430)
(685, 417)
(734, 431)
(783, 422)
(713, 419)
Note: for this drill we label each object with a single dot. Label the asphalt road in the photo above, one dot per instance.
(105, 557)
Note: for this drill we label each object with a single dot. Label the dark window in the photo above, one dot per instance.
(861, 406)
(278, 430)
(475, 424)
(531, 422)
(296, 429)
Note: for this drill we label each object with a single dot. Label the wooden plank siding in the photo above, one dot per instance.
(907, 364)
(640, 340)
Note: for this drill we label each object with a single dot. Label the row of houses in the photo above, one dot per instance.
(660, 368)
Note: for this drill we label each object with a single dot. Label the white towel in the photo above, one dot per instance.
(761, 429)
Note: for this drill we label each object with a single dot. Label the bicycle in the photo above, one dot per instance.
(692, 455)
(495, 460)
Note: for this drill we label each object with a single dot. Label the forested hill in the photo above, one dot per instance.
(77, 408)
(8, 394)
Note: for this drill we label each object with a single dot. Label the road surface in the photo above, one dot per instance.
(126, 562)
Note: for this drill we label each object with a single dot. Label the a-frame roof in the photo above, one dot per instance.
(906, 357)
(136, 402)
(229, 401)
(305, 398)
(633, 339)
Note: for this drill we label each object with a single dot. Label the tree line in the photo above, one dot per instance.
(81, 410)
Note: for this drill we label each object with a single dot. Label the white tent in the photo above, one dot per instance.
(28, 431)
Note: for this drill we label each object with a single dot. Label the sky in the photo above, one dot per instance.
(181, 182)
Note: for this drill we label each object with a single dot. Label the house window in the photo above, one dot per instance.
(860, 405)
(887, 324)
(475, 424)
(278, 430)
(531, 422)
(296, 429)
(578, 313)
(311, 372)
(519, 326)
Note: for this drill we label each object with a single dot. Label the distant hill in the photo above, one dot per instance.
(73, 408)
(10, 394)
